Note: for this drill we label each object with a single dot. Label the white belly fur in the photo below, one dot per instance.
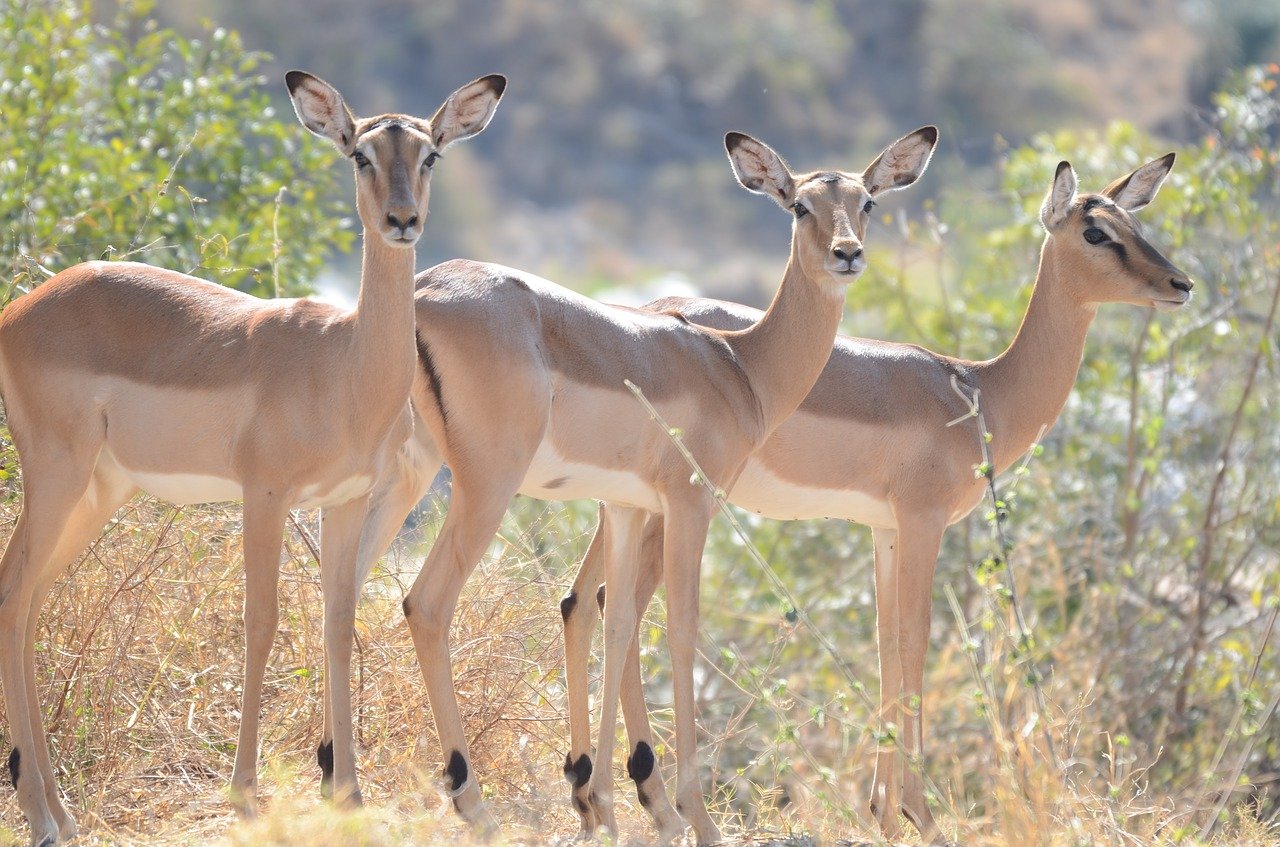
(185, 489)
(314, 496)
(574, 481)
(761, 491)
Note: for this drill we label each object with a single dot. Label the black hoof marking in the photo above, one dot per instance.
(640, 763)
(324, 757)
(14, 758)
(456, 771)
(405, 605)
(600, 596)
(577, 773)
(566, 605)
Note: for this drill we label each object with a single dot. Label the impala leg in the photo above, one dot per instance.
(624, 525)
(264, 517)
(918, 555)
(394, 496)
(685, 538)
(885, 784)
(474, 515)
(57, 477)
(642, 764)
(578, 609)
(339, 545)
(107, 492)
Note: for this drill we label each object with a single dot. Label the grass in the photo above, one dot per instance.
(140, 663)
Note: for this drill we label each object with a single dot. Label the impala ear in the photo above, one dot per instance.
(902, 162)
(322, 110)
(1139, 188)
(467, 111)
(1057, 204)
(759, 169)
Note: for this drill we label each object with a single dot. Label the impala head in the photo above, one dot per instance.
(831, 208)
(393, 154)
(1098, 243)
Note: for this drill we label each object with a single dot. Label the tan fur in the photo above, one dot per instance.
(875, 426)
(523, 391)
(116, 375)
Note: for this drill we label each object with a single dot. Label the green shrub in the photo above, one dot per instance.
(130, 141)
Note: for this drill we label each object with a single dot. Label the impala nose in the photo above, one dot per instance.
(401, 224)
(1182, 284)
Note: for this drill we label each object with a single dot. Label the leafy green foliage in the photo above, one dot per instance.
(129, 141)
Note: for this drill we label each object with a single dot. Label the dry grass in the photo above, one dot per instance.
(141, 662)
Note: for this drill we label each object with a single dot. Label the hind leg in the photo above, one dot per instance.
(578, 609)
(621, 558)
(107, 492)
(57, 473)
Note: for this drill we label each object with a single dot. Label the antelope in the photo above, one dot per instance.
(522, 390)
(119, 377)
(871, 444)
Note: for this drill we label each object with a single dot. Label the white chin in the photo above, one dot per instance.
(1169, 305)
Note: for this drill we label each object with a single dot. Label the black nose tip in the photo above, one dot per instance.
(847, 255)
(396, 222)
(1181, 284)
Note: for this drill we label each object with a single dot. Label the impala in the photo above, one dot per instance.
(871, 444)
(523, 390)
(119, 376)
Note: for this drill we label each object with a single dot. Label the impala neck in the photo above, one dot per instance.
(1026, 386)
(384, 350)
(784, 352)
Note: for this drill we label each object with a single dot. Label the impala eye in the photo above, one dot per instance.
(430, 161)
(800, 209)
(1095, 236)
(866, 210)
(361, 160)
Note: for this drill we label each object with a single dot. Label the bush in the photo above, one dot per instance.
(129, 141)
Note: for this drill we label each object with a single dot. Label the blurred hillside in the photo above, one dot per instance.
(605, 164)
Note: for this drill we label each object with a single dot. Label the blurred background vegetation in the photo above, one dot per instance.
(1146, 533)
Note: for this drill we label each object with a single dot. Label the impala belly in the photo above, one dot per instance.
(320, 494)
(761, 490)
(179, 444)
(553, 477)
(186, 489)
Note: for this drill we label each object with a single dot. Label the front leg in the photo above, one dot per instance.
(264, 516)
(686, 536)
(885, 784)
(339, 540)
(919, 538)
(642, 764)
(475, 511)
